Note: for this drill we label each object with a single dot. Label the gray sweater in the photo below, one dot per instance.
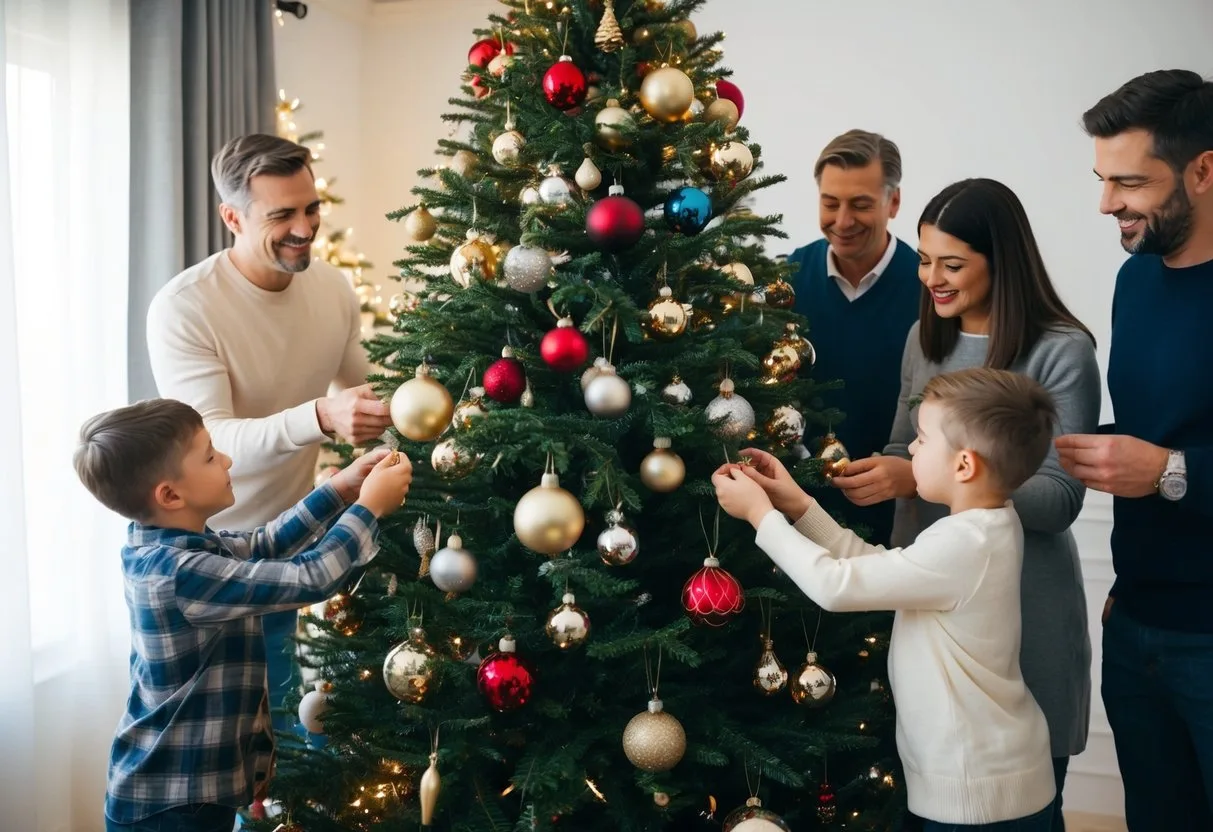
(1056, 650)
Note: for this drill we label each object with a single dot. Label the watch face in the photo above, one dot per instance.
(1173, 487)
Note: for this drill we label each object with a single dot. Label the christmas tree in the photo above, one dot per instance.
(562, 631)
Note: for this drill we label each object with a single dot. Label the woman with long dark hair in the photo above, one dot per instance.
(987, 300)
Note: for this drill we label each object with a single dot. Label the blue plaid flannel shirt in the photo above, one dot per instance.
(197, 724)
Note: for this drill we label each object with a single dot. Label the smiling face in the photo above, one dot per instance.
(276, 230)
(957, 277)
(1144, 194)
(855, 211)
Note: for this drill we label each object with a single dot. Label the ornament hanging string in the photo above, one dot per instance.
(767, 616)
(812, 644)
(714, 540)
(653, 679)
(753, 790)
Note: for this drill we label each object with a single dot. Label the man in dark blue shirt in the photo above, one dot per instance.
(1154, 154)
(859, 289)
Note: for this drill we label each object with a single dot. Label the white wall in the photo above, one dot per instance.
(965, 87)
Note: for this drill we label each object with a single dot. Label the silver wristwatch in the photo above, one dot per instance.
(1173, 484)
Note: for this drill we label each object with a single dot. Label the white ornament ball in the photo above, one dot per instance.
(453, 568)
(556, 190)
(737, 413)
(507, 146)
(313, 706)
(527, 268)
(529, 195)
(608, 395)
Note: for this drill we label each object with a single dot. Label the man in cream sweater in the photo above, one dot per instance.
(254, 336)
(973, 742)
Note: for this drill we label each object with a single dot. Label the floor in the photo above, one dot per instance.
(1086, 822)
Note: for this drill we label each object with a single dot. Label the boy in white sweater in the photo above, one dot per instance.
(973, 742)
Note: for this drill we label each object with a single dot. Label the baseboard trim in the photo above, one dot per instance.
(1089, 822)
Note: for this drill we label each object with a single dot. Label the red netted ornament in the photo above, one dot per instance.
(712, 596)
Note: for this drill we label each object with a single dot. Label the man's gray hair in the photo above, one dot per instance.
(858, 149)
(258, 154)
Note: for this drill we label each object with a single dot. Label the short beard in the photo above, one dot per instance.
(300, 265)
(1169, 228)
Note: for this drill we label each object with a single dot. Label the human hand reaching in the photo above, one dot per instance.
(349, 479)
(356, 414)
(770, 473)
(387, 484)
(875, 479)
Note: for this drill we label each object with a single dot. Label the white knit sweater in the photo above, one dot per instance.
(253, 363)
(972, 740)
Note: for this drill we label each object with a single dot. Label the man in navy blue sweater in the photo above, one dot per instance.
(859, 289)
(1154, 154)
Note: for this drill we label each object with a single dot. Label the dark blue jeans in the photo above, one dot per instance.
(1042, 821)
(279, 661)
(200, 817)
(1158, 694)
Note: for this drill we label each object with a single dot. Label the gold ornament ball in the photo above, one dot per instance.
(568, 626)
(642, 35)
(653, 740)
(608, 123)
(666, 94)
(451, 461)
(662, 470)
(475, 254)
(724, 111)
(812, 685)
(407, 670)
(548, 519)
(781, 364)
(687, 27)
(780, 294)
(732, 161)
(835, 455)
(667, 317)
(420, 224)
(421, 408)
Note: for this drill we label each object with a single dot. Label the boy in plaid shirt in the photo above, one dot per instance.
(195, 741)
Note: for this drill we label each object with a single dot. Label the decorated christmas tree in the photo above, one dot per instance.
(562, 631)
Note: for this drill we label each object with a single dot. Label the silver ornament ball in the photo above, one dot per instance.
(617, 543)
(453, 568)
(737, 415)
(527, 268)
(608, 395)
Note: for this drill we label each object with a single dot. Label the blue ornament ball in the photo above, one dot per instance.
(688, 210)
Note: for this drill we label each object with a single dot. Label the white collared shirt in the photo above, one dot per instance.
(851, 292)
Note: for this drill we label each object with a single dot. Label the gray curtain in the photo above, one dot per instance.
(202, 72)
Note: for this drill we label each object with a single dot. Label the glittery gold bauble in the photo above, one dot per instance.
(431, 785)
(770, 676)
(421, 407)
(653, 740)
(548, 519)
(835, 455)
(786, 425)
(662, 470)
(607, 125)
(786, 357)
(666, 94)
(779, 294)
(407, 671)
(667, 317)
(339, 613)
(476, 256)
(469, 408)
(609, 37)
(702, 320)
(724, 111)
(568, 626)
(420, 224)
(812, 685)
(507, 146)
(732, 161)
(452, 461)
(687, 28)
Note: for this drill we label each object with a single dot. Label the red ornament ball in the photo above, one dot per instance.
(564, 348)
(731, 92)
(504, 679)
(505, 379)
(483, 51)
(712, 596)
(564, 85)
(615, 222)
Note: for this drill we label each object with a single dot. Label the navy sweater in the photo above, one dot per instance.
(859, 342)
(1160, 376)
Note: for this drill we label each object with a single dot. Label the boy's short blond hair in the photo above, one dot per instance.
(1005, 417)
(125, 453)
